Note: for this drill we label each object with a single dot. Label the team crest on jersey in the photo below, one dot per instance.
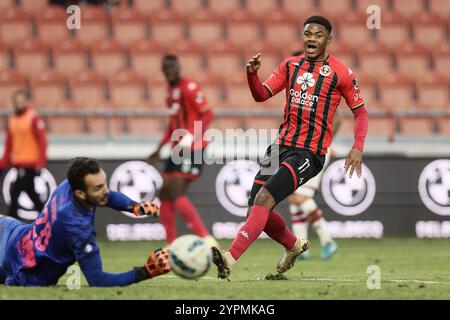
(325, 70)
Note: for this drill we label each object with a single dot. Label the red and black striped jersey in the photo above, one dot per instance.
(313, 92)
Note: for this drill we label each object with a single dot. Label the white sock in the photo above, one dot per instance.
(300, 229)
(321, 229)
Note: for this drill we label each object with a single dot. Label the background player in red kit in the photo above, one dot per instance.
(187, 104)
(314, 83)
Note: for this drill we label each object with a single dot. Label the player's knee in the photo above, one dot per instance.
(265, 199)
(295, 199)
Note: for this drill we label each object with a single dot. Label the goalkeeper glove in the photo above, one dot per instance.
(157, 264)
(145, 208)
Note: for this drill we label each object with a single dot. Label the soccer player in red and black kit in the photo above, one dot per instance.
(314, 83)
(187, 104)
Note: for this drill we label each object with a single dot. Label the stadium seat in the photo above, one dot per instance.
(5, 61)
(416, 126)
(69, 57)
(353, 30)
(128, 25)
(15, 25)
(429, 29)
(270, 58)
(205, 28)
(87, 90)
(190, 56)
(51, 25)
(238, 94)
(149, 7)
(223, 8)
(331, 7)
(167, 27)
(5, 4)
(65, 125)
(127, 89)
(409, 8)
(224, 60)
(362, 5)
(145, 57)
(31, 57)
(441, 59)
(413, 59)
(187, 8)
(94, 25)
(395, 30)
(158, 94)
(369, 90)
(229, 122)
(267, 123)
(261, 8)
(344, 53)
(281, 28)
(376, 59)
(433, 91)
(34, 6)
(379, 126)
(242, 28)
(212, 86)
(441, 7)
(139, 125)
(443, 124)
(48, 89)
(10, 81)
(396, 91)
(300, 9)
(108, 57)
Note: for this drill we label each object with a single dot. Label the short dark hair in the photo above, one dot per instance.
(319, 20)
(170, 57)
(79, 168)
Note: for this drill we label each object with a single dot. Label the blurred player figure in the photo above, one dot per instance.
(304, 209)
(314, 83)
(188, 105)
(25, 150)
(38, 254)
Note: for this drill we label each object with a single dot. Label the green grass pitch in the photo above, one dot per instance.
(410, 269)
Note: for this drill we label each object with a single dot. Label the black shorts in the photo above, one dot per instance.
(284, 171)
(190, 168)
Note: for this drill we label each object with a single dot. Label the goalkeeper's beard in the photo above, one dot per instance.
(95, 201)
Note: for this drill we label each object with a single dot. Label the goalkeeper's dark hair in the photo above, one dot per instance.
(79, 168)
(319, 20)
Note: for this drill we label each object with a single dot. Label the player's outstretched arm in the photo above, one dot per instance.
(259, 92)
(120, 202)
(354, 157)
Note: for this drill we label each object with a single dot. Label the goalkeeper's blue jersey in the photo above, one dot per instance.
(38, 254)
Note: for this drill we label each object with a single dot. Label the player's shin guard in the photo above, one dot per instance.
(250, 231)
(168, 220)
(190, 214)
(277, 230)
(299, 221)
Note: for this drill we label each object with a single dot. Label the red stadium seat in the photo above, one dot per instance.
(223, 8)
(34, 6)
(149, 7)
(409, 8)
(205, 28)
(331, 7)
(167, 27)
(190, 57)
(15, 25)
(87, 90)
(362, 5)
(429, 29)
(396, 91)
(65, 125)
(5, 4)
(441, 7)
(433, 91)
(394, 31)
(187, 8)
(261, 123)
(281, 28)
(94, 27)
(231, 122)
(443, 124)
(224, 60)
(158, 94)
(369, 90)
(441, 59)
(212, 86)
(379, 126)
(108, 57)
(69, 57)
(238, 94)
(145, 56)
(31, 57)
(376, 59)
(416, 126)
(300, 9)
(242, 28)
(138, 125)
(413, 59)
(48, 89)
(353, 29)
(270, 58)
(51, 25)
(128, 25)
(127, 89)
(261, 8)
(343, 52)
(4, 57)
(10, 81)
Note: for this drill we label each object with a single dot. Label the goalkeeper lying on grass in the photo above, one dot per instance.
(38, 254)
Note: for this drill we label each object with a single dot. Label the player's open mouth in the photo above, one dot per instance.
(311, 48)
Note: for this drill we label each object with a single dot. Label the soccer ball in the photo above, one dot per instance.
(190, 256)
